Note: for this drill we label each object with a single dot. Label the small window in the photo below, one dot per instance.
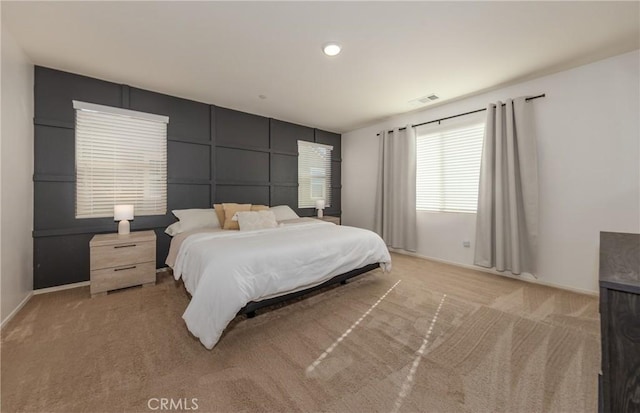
(448, 168)
(314, 174)
(121, 158)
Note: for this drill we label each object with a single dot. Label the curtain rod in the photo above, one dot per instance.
(461, 114)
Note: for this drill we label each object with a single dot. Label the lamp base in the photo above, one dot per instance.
(124, 227)
(320, 213)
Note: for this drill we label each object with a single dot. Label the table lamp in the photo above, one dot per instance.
(320, 207)
(123, 213)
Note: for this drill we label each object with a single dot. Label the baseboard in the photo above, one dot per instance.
(15, 310)
(78, 284)
(524, 277)
(61, 287)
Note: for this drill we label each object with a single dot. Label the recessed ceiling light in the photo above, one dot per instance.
(331, 49)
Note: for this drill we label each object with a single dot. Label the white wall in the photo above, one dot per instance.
(16, 169)
(588, 130)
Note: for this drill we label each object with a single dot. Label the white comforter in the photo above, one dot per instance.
(225, 270)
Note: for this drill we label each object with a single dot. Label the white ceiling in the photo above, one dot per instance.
(229, 53)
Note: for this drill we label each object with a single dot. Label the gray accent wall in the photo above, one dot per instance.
(214, 155)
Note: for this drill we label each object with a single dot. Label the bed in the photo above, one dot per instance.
(232, 272)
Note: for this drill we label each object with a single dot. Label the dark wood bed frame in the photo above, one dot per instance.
(251, 307)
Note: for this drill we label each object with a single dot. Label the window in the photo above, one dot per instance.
(314, 174)
(121, 158)
(448, 168)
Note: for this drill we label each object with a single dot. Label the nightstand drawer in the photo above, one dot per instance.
(124, 276)
(133, 252)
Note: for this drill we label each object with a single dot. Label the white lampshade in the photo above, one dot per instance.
(121, 212)
(320, 204)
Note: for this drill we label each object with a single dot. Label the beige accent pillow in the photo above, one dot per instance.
(220, 213)
(229, 211)
(259, 208)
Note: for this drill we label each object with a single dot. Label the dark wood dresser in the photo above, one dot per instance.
(620, 322)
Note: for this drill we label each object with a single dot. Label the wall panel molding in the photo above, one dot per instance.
(285, 153)
(54, 123)
(187, 140)
(214, 154)
(243, 183)
(53, 178)
(245, 148)
(93, 230)
(126, 94)
(187, 181)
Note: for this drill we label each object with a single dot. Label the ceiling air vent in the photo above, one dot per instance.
(424, 99)
(427, 99)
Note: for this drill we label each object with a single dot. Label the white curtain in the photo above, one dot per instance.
(507, 217)
(395, 219)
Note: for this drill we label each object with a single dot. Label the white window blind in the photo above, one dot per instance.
(314, 174)
(121, 158)
(448, 169)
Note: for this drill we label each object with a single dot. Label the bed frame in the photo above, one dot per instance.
(251, 307)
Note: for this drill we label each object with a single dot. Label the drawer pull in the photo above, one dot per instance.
(125, 246)
(125, 268)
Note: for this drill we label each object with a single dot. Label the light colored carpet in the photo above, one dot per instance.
(492, 344)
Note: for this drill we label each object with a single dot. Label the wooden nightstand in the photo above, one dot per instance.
(328, 218)
(119, 261)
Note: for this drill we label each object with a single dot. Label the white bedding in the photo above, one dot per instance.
(225, 270)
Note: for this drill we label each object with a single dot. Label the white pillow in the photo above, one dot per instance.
(252, 220)
(196, 218)
(283, 212)
(173, 229)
